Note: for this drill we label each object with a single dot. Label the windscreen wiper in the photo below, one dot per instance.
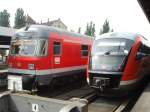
(108, 52)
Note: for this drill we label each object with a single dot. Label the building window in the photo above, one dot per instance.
(56, 48)
(84, 50)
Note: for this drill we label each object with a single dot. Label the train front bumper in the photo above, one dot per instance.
(119, 91)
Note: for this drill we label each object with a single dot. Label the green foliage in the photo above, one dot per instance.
(79, 30)
(20, 18)
(87, 30)
(4, 18)
(105, 28)
(90, 29)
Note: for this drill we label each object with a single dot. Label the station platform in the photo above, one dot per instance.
(143, 103)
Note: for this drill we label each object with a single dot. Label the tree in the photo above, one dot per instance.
(20, 18)
(79, 30)
(87, 29)
(90, 29)
(105, 28)
(93, 30)
(4, 18)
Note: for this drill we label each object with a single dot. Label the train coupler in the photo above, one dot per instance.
(102, 83)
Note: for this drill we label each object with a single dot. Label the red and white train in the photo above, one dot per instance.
(118, 61)
(41, 53)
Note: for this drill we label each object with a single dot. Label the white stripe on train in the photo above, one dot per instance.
(128, 82)
(47, 71)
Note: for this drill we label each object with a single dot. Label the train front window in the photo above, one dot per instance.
(23, 47)
(112, 45)
(29, 47)
(110, 54)
(107, 63)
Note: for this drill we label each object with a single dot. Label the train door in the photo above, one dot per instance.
(56, 53)
(143, 57)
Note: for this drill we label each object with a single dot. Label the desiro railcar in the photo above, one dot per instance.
(117, 62)
(39, 53)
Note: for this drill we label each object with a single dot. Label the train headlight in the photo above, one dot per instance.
(120, 68)
(31, 66)
(88, 80)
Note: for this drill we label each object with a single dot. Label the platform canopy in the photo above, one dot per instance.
(5, 36)
(6, 31)
(145, 5)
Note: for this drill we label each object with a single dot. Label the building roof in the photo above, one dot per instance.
(50, 23)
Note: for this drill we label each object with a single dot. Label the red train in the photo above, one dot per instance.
(116, 63)
(41, 53)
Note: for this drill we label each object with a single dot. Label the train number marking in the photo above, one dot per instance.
(35, 108)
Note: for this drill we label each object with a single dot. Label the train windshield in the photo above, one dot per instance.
(27, 47)
(23, 47)
(110, 53)
(112, 45)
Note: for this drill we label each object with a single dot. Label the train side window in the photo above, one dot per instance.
(140, 48)
(42, 47)
(144, 49)
(56, 48)
(84, 50)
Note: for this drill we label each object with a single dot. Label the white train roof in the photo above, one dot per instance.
(131, 36)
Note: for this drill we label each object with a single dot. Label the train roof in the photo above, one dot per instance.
(131, 36)
(43, 31)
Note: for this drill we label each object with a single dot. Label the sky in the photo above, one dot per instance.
(123, 15)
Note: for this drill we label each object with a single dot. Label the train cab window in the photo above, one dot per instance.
(23, 47)
(42, 51)
(56, 48)
(112, 46)
(84, 50)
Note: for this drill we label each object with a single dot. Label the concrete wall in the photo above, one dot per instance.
(4, 103)
(29, 103)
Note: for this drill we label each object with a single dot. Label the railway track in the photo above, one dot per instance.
(106, 105)
(95, 103)
(66, 89)
(121, 107)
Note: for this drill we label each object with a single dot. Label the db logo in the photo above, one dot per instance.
(35, 108)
